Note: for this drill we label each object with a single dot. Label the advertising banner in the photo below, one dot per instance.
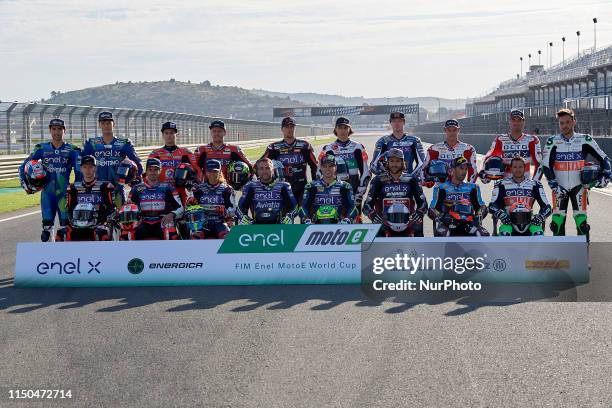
(288, 254)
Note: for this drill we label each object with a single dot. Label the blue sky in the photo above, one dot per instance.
(372, 48)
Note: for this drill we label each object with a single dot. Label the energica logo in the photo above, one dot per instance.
(135, 266)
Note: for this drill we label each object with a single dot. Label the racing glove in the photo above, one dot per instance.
(445, 219)
(28, 189)
(602, 182)
(483, 177)
(245, 220)
(416, 217)
(503, 216)
(537, 220)
(306, 221)
(375, 218)
(287, 220)
(345, 221)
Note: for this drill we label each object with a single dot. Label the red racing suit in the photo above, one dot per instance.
(448, 153)
(225, 154)
(526, 146)
(171, 157)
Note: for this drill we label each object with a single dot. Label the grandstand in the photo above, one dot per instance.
(583, 83)
(587, 75)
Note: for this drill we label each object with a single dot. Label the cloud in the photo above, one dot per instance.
(446, 48)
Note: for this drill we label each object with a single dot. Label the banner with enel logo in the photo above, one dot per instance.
(258, 254)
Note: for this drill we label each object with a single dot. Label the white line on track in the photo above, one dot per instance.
(20, 216)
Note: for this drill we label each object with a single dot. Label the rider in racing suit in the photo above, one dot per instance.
(450, 149)
(109, 151)
(59, 159)
(171, 156)
(396, 185)
(158, 203)
(217, 198)
(270, 201)
(455, 191)
(515, 192)
(414, 155)
(355, 156)
(295, 155)
(92, 191)
(516, 143)
(219, 150)
(328, 191)
(564, 157)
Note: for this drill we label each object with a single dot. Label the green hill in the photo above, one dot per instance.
(175, 96)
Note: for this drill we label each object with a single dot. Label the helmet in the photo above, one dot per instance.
(126, 171)
(129, 216)
(436, 170)
(279, 170)
(463, 212)
(589, 173)
(183, 175)
(327, 214)
(520, 216)
(397, 217)
(267, 216)
(238, 173)
(195, 218)
(342, 170)
(84, 215)
(35, 174)
(494, 168)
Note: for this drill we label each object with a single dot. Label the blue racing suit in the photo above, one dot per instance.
(446, 195)
(218, 202)
(108, 157)
(269, 203)
(338, 194)
(414, 155)
(59, 163)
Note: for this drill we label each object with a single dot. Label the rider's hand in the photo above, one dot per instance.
(537, 220)
(375, 217)
(287, 220)
(483, 177)
(306, 221)
(28, 189)
(244, 220)
(602, 182)
(445, 219)
(167, 219)
(503, 216)
(345, 221)
(416, 217)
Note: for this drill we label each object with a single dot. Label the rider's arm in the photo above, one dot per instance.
(245, 201)
(540, 197)
(310, 158)
(71, 199)
(108, 202)
(419, 157)
(173, 203)
(348, 201)
(548, 162)
(361, 158)
(310, 192)
(477, 203)
(75, 163)
(593, 148)
(129, 151)
(37, 154)
(437, 201)
(290, 202)
(536, 157)
(373, 196)
(471, 155)
(497, 198)
(379, 149)
(270, 152)
(419, 197)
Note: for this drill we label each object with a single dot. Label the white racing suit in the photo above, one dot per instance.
(562, 164)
